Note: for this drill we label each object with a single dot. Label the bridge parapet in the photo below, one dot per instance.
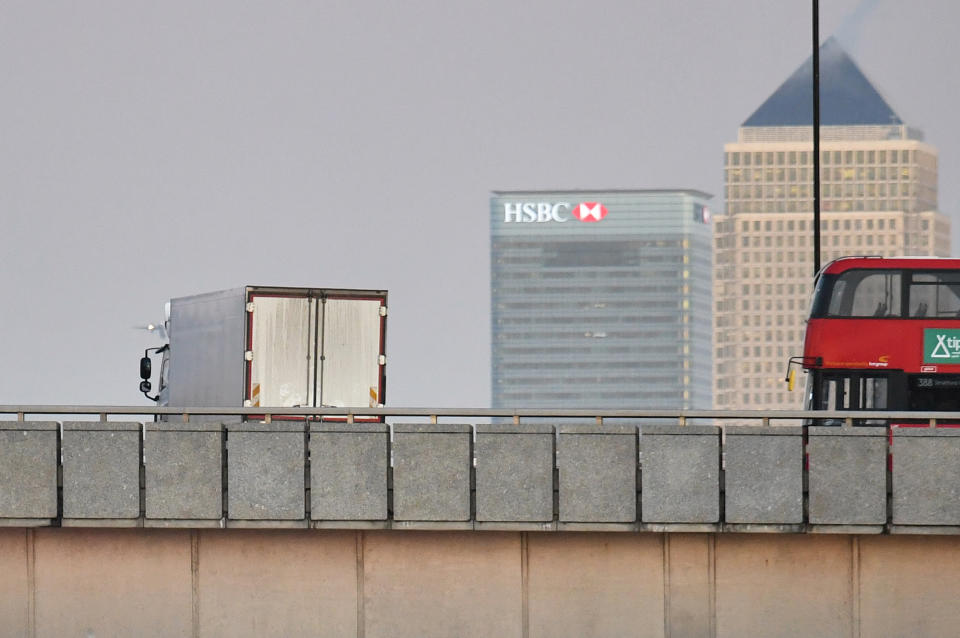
(632, 475)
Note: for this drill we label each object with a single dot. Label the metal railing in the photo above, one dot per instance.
(681, 417)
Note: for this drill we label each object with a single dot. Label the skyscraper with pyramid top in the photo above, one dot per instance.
(878, 197)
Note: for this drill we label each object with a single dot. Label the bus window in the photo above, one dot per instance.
(934, 294)
(838, 295)
(864, 293)
(876, 295)
(852, 390)
(875, 397)
(874, 393)
(935, 393)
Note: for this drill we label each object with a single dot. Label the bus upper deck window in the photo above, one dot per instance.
(866, 293)
(934, 294)
(836, 297)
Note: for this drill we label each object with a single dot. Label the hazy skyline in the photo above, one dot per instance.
(153, 151)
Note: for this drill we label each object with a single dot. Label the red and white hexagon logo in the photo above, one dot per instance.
(590, 211)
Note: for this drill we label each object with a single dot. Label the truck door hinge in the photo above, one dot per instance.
(250, 306)
(248, 355)
(382, 360)
(383, 311)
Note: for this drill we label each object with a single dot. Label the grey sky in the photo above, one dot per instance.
(151, 150)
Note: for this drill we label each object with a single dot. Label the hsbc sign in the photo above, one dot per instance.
(541, 212)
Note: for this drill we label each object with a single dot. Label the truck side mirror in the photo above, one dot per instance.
(146, 369)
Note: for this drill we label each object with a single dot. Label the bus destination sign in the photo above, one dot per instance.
(941, 345)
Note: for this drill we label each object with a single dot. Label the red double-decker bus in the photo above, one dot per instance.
(884, 334)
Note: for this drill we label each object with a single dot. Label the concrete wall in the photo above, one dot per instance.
(237, 583)
(589, 531)
(488, 477)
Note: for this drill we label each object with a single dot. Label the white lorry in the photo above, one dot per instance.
(273, 347)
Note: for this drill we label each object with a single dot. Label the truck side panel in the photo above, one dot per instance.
(207, 343)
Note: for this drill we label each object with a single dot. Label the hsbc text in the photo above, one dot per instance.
(535, 212)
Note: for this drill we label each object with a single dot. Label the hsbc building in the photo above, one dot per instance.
(601, 299)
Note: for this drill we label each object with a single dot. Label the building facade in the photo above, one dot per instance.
(601, 298)
(878, 197)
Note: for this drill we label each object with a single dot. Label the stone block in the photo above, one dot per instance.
(348, 471)
(419, 584)
(597, 585)
(785, 586)
(431, 472)
(28, 470)
(907, 585)
(514, 473)
(764, 474)
(680, 477)
(926, 476)
(265, 471)
(847, 477)
(277, 584)
(101, 470)
(183, 465)
(94, 583)
(597, 466)
(17, 584)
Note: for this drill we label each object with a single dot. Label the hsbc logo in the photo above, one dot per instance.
(541, 212)
(590, 211)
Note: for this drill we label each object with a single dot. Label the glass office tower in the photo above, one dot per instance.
(601, 299)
